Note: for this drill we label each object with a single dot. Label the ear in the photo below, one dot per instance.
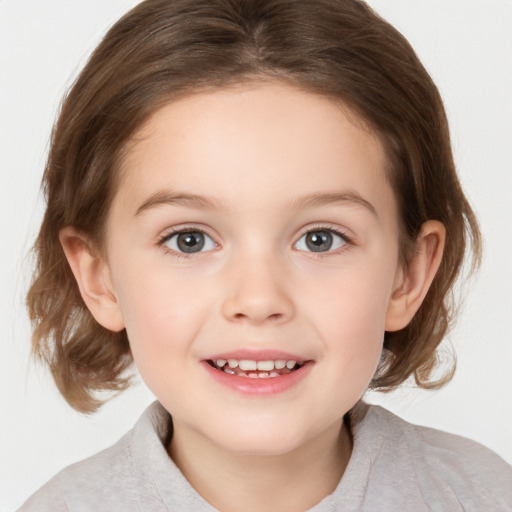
(412, 283)
(93, 277)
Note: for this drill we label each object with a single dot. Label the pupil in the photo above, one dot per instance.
(191, 242)
(319, 241)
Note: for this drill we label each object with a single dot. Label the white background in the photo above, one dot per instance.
(467, 47)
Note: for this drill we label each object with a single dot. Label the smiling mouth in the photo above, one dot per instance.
(256, 369)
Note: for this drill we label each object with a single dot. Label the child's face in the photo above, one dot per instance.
(267, 181)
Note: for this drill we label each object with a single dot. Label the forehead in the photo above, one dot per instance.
(251, 139)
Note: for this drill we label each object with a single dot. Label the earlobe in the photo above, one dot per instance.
(413, 282)
(92, 275)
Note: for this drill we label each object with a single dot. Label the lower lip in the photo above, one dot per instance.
(257, 386)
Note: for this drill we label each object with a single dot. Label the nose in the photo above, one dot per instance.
(257, 294)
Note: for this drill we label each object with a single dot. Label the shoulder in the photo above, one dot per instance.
(82, 486)
(443, 450)
(106, 480)
(440, 465)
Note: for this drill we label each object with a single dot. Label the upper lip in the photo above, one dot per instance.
(257, 355)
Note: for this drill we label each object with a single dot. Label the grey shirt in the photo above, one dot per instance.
(395, 466)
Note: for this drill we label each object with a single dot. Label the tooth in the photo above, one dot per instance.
(263, 375)
(274, 374)
(253, 375)
(221, 362)
(233, 363)
(245, 365)
(290, 364)
(229, 370)
(279, 365)
(266, 366)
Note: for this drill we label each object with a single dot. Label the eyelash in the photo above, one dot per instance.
(320, 255)
(322, 227)
(180, 255)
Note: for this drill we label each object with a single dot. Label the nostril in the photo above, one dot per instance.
(255, 309)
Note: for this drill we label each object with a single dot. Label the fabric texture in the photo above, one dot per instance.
(395, 466)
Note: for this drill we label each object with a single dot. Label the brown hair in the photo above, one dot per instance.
(164, 49)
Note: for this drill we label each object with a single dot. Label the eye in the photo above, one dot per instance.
(320, 240)
(188, 242)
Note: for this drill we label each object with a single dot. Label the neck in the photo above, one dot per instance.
(295, 481)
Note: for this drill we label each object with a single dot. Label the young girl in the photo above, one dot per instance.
(256, 203)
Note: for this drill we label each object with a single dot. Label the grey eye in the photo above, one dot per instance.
(320, 240)
(190, 242)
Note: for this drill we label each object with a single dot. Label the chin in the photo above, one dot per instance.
(259, 439)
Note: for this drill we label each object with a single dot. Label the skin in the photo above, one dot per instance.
(257, 153)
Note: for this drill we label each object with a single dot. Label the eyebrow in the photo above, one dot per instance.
(165, 197)
(202, 202)
(326, 199)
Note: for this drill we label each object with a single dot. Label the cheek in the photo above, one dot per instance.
(353, 300)
(162, 316)
(356, 334)
(350, 312)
